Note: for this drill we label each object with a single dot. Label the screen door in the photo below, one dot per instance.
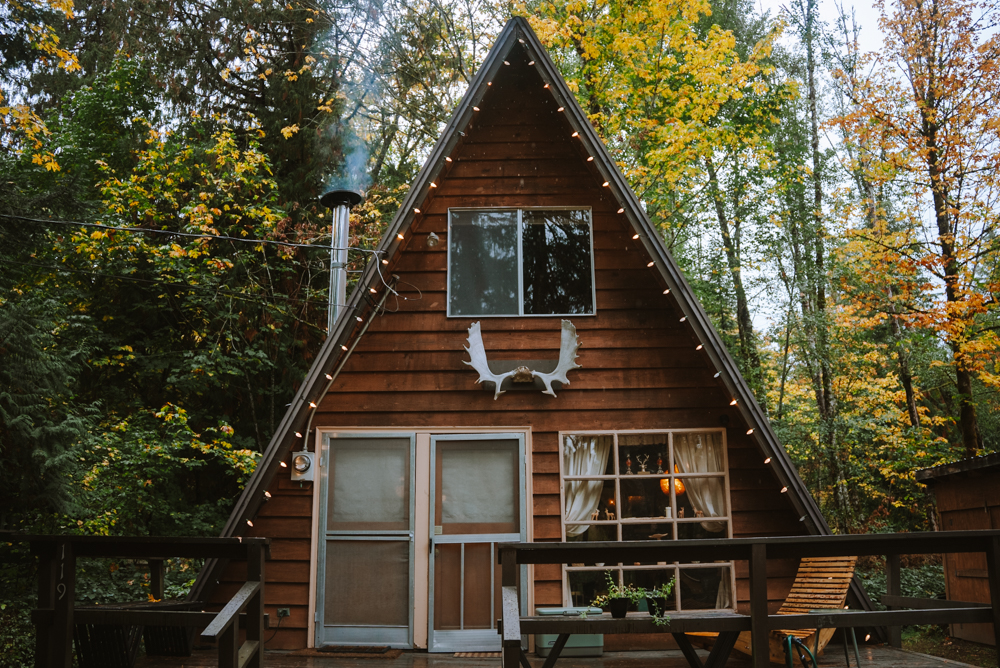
(365, 587)
(477, 501)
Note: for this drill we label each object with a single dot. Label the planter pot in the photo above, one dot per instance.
(657, 606)
(618, 607)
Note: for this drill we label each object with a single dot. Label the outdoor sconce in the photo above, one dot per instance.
(303, 469)
(433, 240)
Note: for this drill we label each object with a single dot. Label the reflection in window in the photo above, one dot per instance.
(520, 262)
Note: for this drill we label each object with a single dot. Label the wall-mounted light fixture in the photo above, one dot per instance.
(433, 240)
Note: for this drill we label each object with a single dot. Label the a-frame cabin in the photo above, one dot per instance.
(518, 221)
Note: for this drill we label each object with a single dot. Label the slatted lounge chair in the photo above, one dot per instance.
(821, 583)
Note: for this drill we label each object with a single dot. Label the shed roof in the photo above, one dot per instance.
(983, 463)
(293, 431)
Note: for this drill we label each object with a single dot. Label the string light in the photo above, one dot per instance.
(359, 318)
(575, 134)
(249, 523)
(560, 108)
(520, 40)
(667, 291)
(506, 63)
(489, 83)
(328, 376)
(733, 402)
(650, 264)
(606, 184)
(767, 461)
(749, 431)
(344, 348)
(267, 495)
(385, 262)
(312, 404)
(433, 185)
(400, 236)
(635, 236)
(545, 86)
(784, 489)
(868, 637)
(717, 374)
(475, 108)
(284, 465)
(373, 291)
(447, 158)
(621, 210)
(531, 62)
(415, 210)
(700, 346)
(683, 319)
(298, 434)
(590, 158)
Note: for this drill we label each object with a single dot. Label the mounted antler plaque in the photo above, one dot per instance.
(568, 346)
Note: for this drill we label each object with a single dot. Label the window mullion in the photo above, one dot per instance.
(520, 262)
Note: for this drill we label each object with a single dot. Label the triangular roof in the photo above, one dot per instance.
(333, 355)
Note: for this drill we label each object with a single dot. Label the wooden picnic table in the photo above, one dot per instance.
(726, 623)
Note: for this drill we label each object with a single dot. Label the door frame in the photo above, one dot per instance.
(375, 636)
(451, 641)
(318, 437)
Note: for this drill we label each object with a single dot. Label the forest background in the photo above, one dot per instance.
(164, 279)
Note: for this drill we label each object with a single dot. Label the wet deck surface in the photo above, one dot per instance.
(871, 657)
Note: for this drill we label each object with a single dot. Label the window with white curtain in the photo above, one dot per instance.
(653, 485)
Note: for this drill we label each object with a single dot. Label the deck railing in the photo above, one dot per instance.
(757, 551)
(56, 614)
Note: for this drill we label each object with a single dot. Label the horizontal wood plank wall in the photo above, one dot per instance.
(969, 501)
(639, 369)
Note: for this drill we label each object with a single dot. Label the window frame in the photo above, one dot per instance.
(673, 521)
(520, 262)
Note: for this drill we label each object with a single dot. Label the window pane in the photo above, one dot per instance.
(585, 586)
(557, 274)
(477, 487)
(645, 496)
(367, 583)
(483, 263)
(705, 588)
(370, 485)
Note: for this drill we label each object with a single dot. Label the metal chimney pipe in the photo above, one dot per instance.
(341, 201)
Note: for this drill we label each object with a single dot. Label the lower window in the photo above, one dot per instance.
(655, 485)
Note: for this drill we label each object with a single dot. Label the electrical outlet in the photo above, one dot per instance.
(284, 612)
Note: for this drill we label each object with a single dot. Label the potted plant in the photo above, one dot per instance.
(618, 597)
(656, 601)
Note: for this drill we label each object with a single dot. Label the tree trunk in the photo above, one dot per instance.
(744, 322)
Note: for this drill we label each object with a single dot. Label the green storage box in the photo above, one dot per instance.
(591, 644)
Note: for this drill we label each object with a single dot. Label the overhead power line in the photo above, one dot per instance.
(211, 237)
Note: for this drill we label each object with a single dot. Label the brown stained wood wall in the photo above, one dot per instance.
(969, 501)
(640, 369)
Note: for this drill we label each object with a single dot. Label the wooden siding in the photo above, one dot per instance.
(968, 501)
(640, 369)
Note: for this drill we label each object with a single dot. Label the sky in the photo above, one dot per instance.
(865, 14)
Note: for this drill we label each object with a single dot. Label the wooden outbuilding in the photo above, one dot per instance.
(521, 257)
(967, 494)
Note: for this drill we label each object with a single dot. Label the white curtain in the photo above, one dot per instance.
(702, 453)
(583, 456)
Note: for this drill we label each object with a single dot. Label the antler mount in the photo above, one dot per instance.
(568, 346)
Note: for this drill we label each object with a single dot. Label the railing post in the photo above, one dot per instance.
(993, 570)
(56, 595)
(229, 647)
(255, 607)
(44, 652)
(892, 589)
(510, 639)
(758, 606)
(156, 578)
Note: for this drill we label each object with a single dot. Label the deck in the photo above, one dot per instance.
(872, 656)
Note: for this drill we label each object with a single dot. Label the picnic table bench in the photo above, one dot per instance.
(729, 623)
